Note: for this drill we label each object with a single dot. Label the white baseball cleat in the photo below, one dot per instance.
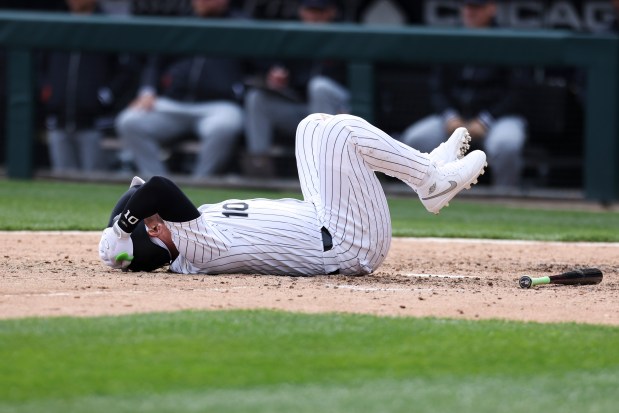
(453, 148)
(446, 181)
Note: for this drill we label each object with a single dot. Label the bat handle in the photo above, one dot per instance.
(541, 280)
(528, 282)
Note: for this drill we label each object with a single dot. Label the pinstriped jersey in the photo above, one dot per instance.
(258, 236)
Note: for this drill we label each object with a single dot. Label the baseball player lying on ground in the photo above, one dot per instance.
(342, 225)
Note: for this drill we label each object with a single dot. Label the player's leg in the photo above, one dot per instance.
(504, 144)
(267, 113)
(62, 150)
(379, 151)
(89, 141)
(435, 183)
(307, 151)
(336, 159)
(425, 134)
(219, 125)
(143, 132)
(349, 199)
(325, 95)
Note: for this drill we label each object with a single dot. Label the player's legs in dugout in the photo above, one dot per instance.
(425, 134)
(218, 124)
(504, 144)
(143, 132)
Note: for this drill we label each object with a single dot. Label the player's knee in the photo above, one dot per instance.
(120, 123)
(347, 120)
(341, 122)
(313, 117)
(227, 123)
(128, 122)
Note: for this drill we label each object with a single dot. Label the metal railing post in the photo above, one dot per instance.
(20, 111)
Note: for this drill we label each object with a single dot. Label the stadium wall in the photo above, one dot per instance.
(362, 47)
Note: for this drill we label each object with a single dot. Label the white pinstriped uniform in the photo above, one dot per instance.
(250, 236)
(336, 160)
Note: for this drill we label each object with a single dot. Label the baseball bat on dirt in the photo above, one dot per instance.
(584, 276)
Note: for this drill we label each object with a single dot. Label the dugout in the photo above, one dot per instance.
(364, 48)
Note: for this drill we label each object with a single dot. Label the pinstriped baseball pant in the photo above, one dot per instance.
(336, 159)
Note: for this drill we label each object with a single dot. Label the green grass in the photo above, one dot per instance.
(264, 361)
(37, 205)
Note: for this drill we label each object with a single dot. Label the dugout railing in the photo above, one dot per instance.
(22, 33)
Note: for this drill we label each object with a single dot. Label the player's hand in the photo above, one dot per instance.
(452, 124)
(278, 77)
(476, 129)
(144, 102)
(116, 247)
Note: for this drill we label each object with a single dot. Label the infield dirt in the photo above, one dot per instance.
(59, 274)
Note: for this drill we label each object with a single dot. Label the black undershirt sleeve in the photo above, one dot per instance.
(157, 196)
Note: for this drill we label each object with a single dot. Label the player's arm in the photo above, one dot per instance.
(157, 196)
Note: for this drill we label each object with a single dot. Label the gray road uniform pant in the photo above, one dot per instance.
(503, 144)
(268, 112)
(73, 151)
(218, 124)
(325, 95)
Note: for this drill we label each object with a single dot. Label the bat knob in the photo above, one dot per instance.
(525, 281)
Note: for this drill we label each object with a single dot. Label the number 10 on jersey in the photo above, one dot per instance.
(235, 209)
